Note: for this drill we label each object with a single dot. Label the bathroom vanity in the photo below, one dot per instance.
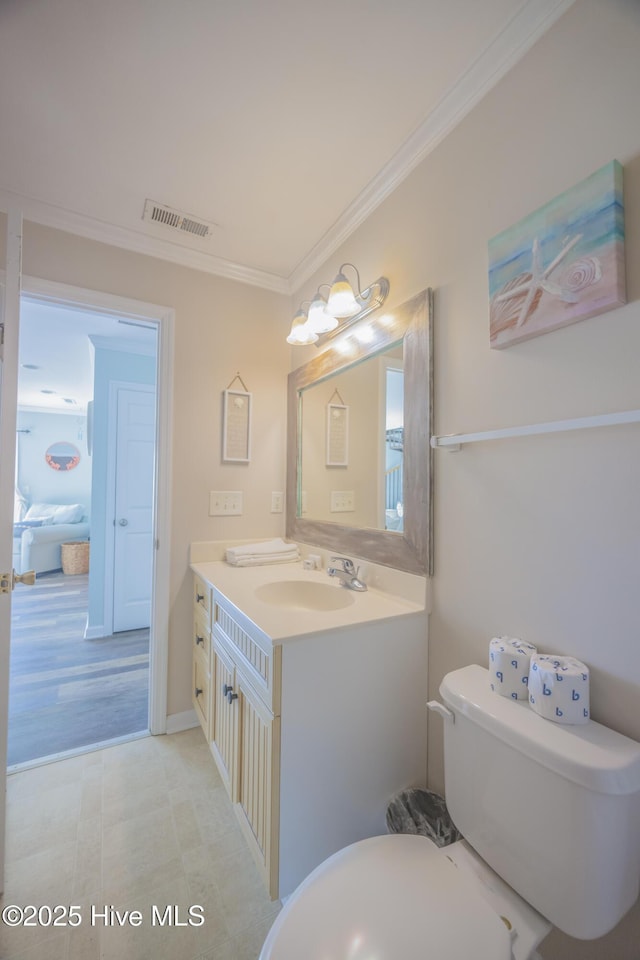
(312, 698)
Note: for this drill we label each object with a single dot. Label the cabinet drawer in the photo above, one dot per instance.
(200, 692)
(202, 596)
(253, 653)
(202, 636)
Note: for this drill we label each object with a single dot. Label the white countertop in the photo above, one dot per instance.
(281, 623)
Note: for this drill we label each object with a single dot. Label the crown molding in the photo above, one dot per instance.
(519, 34)
(123, 345)
(28, 408)
(49, 215)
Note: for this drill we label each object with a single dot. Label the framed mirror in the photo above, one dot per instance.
(370, 518)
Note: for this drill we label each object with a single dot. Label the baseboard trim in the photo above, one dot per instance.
(94, 633)
(177, 722)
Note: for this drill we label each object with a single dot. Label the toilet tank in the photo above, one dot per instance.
(555, 810)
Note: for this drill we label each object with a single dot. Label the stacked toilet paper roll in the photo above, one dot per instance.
(559, 688)
(509, 659)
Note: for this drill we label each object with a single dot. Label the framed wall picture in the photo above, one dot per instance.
(236, 426)
(337, 435)
(562, 263)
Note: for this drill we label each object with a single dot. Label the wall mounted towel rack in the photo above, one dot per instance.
(454, 441)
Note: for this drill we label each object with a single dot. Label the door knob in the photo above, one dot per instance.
(123, 522)
(28, 577)
(9, 580)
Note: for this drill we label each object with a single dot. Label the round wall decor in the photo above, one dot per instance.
(62, 456)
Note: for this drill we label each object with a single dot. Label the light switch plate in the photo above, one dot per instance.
(342, 501)
(225, 503)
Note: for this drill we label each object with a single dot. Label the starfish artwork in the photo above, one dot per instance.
(563, 263)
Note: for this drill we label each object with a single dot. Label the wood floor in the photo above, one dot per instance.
(67, 692)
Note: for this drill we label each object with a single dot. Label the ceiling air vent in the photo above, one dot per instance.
(175, 219)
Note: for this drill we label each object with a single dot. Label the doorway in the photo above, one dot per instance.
(118, 343)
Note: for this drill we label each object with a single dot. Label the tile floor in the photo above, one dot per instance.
(135, 826)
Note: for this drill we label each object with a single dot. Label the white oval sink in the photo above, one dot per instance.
(305, 595)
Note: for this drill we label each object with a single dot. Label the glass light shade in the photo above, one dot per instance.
(320, 321)
(301, 333)
(342, 301)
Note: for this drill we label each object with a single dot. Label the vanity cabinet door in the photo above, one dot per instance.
(224, 720)
(258, 779)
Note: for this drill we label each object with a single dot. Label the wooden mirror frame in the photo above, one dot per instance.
(411, 550)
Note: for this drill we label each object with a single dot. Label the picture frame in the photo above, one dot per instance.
(337, 435)
(236, 426)
(562, 263)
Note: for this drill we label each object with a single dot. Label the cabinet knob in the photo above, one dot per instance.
(199, 640)
(197, 691)
(225, 689)
(231, 696)
(199, 597)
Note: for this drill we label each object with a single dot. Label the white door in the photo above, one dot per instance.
(134, 500)
(9, 326)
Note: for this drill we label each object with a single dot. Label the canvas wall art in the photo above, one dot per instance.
(563, 263)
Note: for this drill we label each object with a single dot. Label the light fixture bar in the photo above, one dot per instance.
(370, 299)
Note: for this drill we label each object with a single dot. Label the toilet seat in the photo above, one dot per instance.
(388, 897)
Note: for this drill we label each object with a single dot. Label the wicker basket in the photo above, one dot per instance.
(75, 556)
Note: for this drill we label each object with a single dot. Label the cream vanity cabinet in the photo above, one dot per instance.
(245, 734)
(236, 696)
(313, 731)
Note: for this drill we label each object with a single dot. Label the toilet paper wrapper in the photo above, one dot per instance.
(559, 688)
(509, 659)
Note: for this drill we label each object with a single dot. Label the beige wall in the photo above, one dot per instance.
(536, 537)
(221, 327)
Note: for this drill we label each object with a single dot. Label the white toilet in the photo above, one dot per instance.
(551, 820)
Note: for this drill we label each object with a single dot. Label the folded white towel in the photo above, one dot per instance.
(262, 561)
(271, 551)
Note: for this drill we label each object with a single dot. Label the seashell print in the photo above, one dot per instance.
(581, 273)
(505, 310)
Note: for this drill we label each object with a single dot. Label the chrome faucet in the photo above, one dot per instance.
(347, 573)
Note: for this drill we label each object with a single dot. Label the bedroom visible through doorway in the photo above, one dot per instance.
(84, 520)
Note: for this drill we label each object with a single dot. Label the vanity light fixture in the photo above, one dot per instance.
(319, 318)
(301, 333)
(326, 318)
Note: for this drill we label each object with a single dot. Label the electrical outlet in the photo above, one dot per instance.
(277, 502)
(225, 503)
(342, 501)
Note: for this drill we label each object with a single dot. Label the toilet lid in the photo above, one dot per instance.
(385, 898)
